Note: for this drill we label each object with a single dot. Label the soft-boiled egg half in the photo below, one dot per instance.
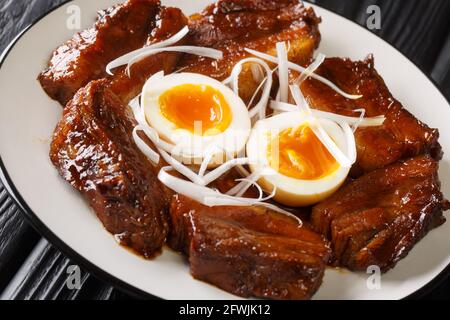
(290, 158)
(198, 115)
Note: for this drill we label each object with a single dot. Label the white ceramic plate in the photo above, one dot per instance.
(28, 117)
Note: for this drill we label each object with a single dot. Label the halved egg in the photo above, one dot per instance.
(198, 116)
(291, 158)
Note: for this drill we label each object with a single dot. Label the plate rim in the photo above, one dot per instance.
(89, 266)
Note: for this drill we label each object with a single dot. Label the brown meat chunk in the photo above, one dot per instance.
(232, 25)
(93, 149)
(127, 86)
(118, 30)
(402, 135)
(377, 218)
(249, 251)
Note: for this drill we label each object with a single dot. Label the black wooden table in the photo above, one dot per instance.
(31, 268)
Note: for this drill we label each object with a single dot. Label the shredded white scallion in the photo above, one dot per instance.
(196, 185)
(353, 121)
(320, 132)
(257, 73)
(210, 197)
(283, 71)
(311, 69)
(199, 51)
(197, 188)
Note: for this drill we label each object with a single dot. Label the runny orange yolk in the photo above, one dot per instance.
(200, 109)
(299, 154)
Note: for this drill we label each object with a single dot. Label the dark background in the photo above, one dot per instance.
(31, 268)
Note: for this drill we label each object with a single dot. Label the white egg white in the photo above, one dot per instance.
(291, 191)
(188, 147)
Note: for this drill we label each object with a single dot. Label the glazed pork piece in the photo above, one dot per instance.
(118, 30)
(402, 135)
(377, 218)
(249, 251)
(233, 25)
(93, 149)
